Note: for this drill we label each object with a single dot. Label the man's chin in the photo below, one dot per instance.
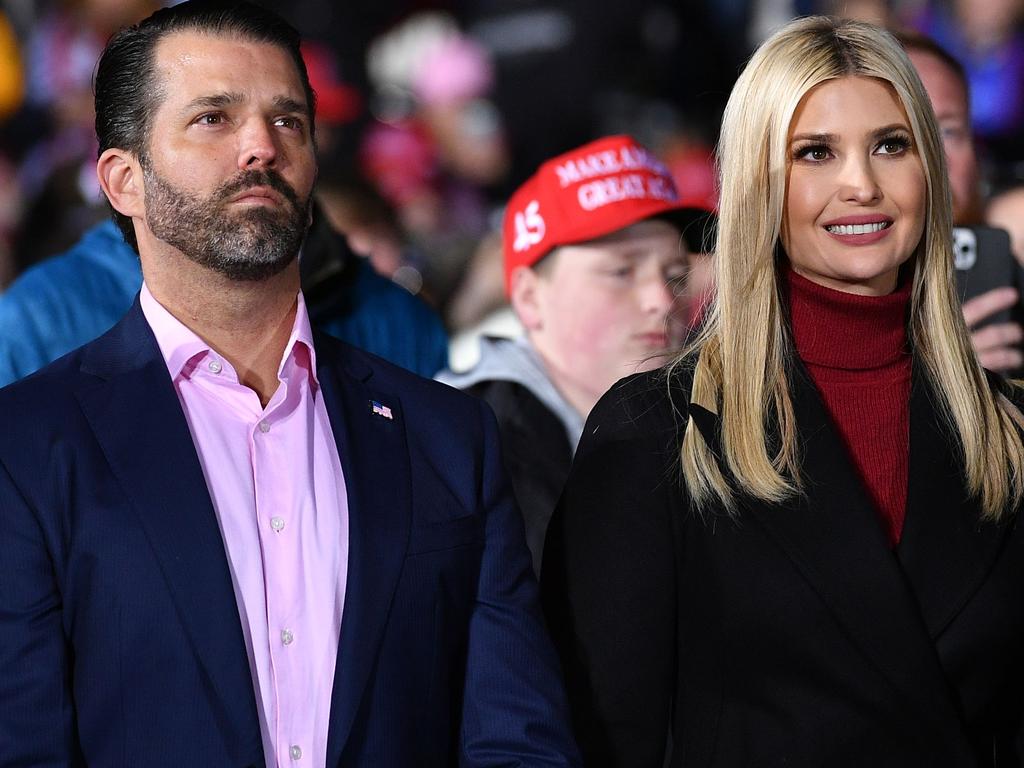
(248, 271)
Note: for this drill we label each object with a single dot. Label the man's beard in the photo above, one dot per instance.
(252, 244)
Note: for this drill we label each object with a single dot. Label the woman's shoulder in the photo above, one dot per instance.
(645, 406)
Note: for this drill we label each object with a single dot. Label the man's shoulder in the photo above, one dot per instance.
(57, 381)
(41, 413)
(386, 376)
(46, 388)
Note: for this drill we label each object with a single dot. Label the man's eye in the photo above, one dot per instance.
(675, 274)
(619, 272)
(292, 123)
(953, 133)
(212, 118)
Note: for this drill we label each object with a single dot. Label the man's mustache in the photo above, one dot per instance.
(259, 178)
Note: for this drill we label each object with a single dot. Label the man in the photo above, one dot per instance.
(594, 265)
(943, 77)
(72, 298)
(227, 540)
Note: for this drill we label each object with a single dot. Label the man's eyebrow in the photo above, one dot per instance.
(228, 98)
(214, 101)
(288, 104)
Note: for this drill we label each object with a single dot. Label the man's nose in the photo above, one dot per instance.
(657, 295)
(257, 145)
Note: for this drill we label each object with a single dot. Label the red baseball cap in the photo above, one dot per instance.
(589, 192)
(337, 102)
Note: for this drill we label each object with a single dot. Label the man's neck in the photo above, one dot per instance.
(248, 323)
(576, 393)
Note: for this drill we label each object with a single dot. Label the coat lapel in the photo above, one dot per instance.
(138, 422)
(374, 458)
(946, 550)
(834, 538)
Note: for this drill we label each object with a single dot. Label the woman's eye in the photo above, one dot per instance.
(814, 152)
(893, 146)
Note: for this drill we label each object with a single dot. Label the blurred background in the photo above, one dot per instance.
(431, 113)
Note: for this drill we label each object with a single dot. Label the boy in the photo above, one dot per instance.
(594, 261)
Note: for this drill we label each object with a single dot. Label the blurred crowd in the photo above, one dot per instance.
(431, 112)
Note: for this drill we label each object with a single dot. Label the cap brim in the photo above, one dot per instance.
(697, 226)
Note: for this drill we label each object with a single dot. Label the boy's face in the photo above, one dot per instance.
(610, 307)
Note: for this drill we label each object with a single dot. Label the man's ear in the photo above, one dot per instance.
(120, 177)
(526, 298)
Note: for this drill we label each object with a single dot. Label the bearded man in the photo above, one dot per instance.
(228, 540)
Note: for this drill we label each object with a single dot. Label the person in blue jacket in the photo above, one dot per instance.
(74, 297)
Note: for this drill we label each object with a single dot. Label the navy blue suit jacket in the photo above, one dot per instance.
(120, 639)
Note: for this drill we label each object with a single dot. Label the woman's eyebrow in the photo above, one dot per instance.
(821, 138)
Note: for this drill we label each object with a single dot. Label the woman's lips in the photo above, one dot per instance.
(859, 230)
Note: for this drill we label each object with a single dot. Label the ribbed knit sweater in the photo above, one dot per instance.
(855, 350)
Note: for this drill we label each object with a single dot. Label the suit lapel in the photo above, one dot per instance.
(946, 550)
(138, 423)
(834, 538)
(374, 458)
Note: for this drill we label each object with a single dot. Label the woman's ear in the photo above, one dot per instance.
(120, 177)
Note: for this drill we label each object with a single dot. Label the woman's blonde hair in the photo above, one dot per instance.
(741, 357)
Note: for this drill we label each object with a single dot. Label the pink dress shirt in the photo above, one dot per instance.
(277, 486)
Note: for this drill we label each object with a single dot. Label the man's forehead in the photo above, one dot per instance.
(196, 62)
(937, 75)
(637, 231)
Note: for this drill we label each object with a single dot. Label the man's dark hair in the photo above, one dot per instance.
(127, 94)
(915, 41)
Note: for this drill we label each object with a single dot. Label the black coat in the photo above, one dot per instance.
(793, 635)
(536, 451)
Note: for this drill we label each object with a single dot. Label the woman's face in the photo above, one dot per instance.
(856, 192)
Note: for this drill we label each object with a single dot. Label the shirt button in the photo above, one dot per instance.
(277, 523)
(295, 751)
(264, 427)
(215, 366)
(287, 637)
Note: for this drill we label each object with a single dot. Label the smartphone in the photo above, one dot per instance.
(984, 261)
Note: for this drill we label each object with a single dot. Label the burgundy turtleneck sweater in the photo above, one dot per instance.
(855, 350)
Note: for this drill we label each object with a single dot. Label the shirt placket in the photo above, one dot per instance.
(279, 526)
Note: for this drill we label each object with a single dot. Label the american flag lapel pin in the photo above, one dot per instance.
(381, 410)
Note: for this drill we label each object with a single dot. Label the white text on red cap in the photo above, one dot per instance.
(608, 162)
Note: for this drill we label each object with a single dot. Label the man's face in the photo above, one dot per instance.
(608, 308)
(949, 100)
(230, 165)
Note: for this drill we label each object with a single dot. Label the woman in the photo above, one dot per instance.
(797, 546)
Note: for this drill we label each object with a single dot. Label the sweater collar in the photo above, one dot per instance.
(842, 330)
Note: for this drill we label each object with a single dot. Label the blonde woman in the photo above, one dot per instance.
(798, 544)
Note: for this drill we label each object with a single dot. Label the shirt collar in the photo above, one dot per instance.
(182, 349)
